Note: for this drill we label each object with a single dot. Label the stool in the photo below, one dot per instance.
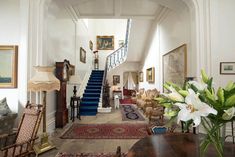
(116, 102)
(74, 100)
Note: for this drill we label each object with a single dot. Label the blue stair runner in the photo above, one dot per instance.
(91, 95)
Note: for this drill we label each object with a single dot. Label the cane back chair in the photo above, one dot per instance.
(24, 138)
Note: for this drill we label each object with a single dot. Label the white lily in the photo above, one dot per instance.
(229, 113)
(174, 95)
(198, 85)
(194, 109)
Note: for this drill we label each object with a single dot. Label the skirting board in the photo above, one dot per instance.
(104, 110)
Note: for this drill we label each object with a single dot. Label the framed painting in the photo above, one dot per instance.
(91, 45)
(116, 79)
(150, 75)
(82, 55)
(141, 76)
(105, 42)
(175, 65)
(227, 68)
(9, 65)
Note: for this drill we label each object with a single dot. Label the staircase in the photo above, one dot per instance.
(90, 100)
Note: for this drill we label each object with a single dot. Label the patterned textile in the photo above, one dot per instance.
(106, 131)
(130, 113)
(27, 128)
(7, 123)
(87, 155)
(4, 108)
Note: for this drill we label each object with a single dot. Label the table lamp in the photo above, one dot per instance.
(75, 80)
(44, 80)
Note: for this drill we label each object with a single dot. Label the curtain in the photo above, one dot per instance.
(129, 83)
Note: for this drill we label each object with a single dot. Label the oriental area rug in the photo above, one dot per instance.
(106, 131)
(131, 113)
(87, 155)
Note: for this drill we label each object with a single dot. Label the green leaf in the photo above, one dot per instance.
(204, 76)
(220, 94)
(230, 101)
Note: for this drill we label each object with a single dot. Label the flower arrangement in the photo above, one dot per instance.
(199, 103)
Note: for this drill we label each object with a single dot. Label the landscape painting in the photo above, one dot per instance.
(105, 43)
(8, 68)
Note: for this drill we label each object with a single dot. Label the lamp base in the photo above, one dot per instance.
(45, 145)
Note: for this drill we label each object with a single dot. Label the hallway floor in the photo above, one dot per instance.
(88, 145)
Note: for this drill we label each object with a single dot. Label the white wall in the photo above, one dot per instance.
(64, 37)
(169, 33)
(107, 27)
(222, 38)
(10, 35)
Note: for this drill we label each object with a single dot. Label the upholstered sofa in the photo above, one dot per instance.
(147, 99)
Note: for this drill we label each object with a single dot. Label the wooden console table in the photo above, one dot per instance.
(118, 93)
(174, 145)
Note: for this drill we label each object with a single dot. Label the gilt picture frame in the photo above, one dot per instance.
(227, 68)
(105, 42)
(175, 65)
(9, 66)
(116, 79)
(150, 75)
(82, 55)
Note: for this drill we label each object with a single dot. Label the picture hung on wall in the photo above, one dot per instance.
(150, 75)
(175, 65)
(91, 45)
(105, 42)
(227, 68)
(8, 67)
(82, 55)
(116, 79)
(141, 76)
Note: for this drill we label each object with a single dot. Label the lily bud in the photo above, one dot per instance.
(204, 76)
(229, 86)
(220, 94)
(183, 92)
(230, 101)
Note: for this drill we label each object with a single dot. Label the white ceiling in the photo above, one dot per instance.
(143, 13)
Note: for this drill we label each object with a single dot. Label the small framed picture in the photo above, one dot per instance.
(227, 68)
(91, 45)
(116, 79)
(82, 55)
(150, 75)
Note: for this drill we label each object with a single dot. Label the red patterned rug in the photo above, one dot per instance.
(106, 131)
(87, 155)
(126, 101)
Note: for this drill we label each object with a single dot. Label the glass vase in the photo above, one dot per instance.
(212, 138)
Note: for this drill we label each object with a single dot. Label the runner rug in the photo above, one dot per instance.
(87, 155)
(130, 113)
(106, 131)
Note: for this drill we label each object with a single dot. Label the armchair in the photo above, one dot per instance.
(23, 140)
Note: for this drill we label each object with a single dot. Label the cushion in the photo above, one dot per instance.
(159, 130)
(4, 108)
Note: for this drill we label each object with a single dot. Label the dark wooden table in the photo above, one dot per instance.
(174, 145)
(75, 103)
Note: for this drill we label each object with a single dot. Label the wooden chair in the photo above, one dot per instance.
(118, 152)
(24, 138)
